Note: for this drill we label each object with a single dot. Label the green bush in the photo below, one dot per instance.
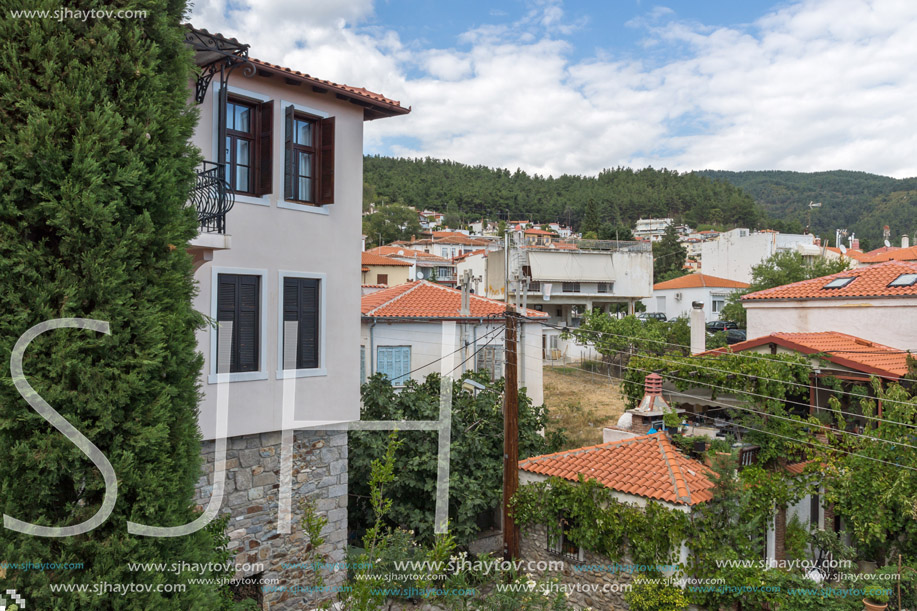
(655, 595)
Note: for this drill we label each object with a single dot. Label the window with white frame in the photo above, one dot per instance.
(394, 362)
(718, 301)
(490, 359)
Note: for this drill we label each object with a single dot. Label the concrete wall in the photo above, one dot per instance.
(425, 340)
(270, 235)
(886, 321)
(665, 301)
(735, 252)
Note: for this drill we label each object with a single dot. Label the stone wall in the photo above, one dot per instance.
(251, 500)
(533, 549)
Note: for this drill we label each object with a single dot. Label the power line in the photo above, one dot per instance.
(740, 354)
(770, 397)
(727, 406)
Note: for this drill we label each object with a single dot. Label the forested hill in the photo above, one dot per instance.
(857, 201)
(622, 195)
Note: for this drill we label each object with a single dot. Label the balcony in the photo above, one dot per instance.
(212, 198)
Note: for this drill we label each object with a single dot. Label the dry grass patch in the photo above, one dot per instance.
(582, 403)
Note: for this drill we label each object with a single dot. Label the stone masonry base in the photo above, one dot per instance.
(251, 500)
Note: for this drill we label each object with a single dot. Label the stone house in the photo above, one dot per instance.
(636, 470)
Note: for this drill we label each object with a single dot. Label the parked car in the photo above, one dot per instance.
(652, 316)
(720, 325)
(734, 336)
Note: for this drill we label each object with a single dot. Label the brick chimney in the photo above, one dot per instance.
(855, 243)
(652, 394)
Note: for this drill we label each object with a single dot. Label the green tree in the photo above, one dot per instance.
(669, 255)
(592, 219)
(390, 223)
(777, 270)
(94, 179)
(476, 464)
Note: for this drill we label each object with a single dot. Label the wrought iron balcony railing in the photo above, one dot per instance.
(212, 197)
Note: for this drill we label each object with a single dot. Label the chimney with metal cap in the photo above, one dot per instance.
(698, 328)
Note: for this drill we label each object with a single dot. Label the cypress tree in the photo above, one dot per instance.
(95, 170)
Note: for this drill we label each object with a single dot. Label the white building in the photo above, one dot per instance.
(276, 273)
(674, 297)
(565, 283)
(735, 252)
(877, 303)
(402, 336)
(652, 229)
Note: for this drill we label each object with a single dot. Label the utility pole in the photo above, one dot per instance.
(510, 439)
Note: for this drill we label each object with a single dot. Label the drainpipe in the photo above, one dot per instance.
(372, 350)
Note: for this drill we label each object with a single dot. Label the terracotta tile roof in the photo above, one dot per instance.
(883, 254)
(856, 255)
(380, 105)
(538, 232)
(870, 281)
(370, 258)
(839, 348)
(692, 281)
(462, 257)
(395, 251)
(423, 299)
(648, 466)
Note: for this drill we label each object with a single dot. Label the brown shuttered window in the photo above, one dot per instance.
(239, 303)
(301, 305)
(247, 137)
(308, 158)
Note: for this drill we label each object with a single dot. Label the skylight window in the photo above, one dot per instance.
(903, 280)
(839, 283)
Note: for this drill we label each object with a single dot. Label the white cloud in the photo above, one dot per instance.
(814, 85)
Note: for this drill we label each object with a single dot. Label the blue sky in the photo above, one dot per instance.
(557, 87)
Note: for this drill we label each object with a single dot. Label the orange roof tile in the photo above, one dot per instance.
(380, 105)
(839, 348)
(425, 299)
(856, 255)
(871, 281)
(395, 251)
(370, 258)
(648, 466)
(883, 254)
(538, 232)
(692, 281)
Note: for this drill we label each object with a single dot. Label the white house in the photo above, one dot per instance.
(402, 336)
(279, 202)
(674, 297)
(735, 252)
(566, 282)
(876, 303)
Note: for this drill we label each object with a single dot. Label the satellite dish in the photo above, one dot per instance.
(888, 244)
(400, 253)
(419, 275)
(843, 249)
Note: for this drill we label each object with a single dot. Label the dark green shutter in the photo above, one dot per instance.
(264, 177)
(239, 302)
(301, 304)
(288, 153)
(326, 161)
(223, 101)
